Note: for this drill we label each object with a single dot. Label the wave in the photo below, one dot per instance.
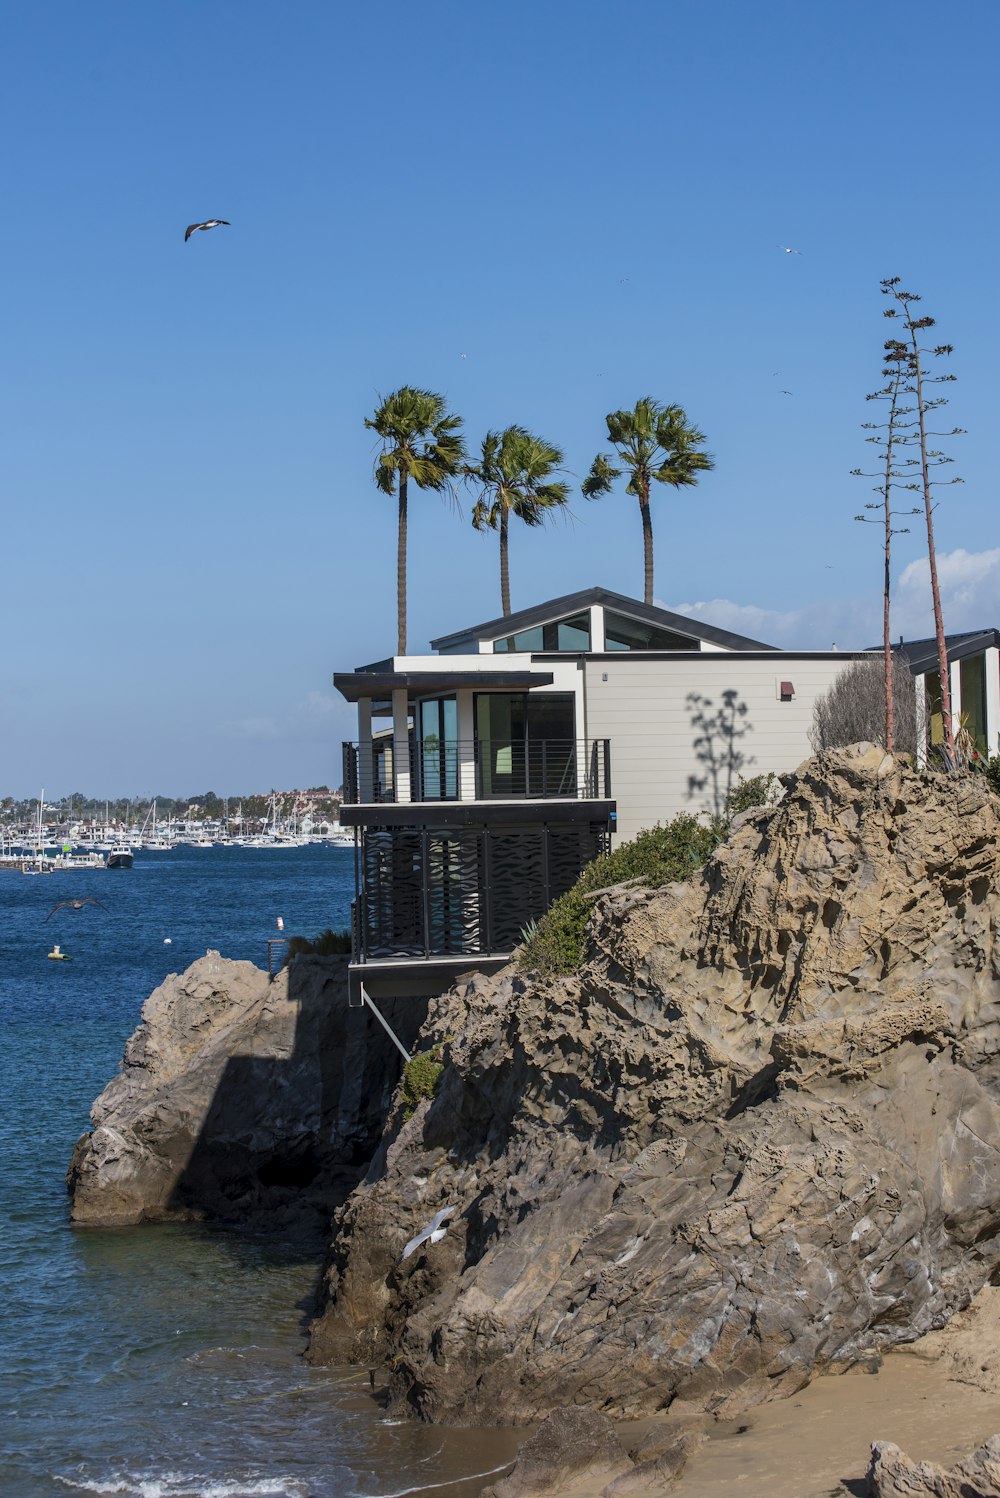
(185, 1485)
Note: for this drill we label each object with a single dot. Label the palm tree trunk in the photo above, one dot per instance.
(647, 544)
(504, 565)
(401, 567)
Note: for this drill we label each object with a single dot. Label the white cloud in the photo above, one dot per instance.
(849, 624)
(970, 593)
(970, 599)
(317, 705)
(257, 730)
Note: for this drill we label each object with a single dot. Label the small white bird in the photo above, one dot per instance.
(210, 223)
(281, 924)
(786, 247)
(432, 1233)
(167, 941)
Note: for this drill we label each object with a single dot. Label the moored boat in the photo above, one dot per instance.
(120, 856)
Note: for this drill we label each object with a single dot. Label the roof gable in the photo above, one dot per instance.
(570, 603)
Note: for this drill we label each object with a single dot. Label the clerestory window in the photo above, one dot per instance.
(622, 633)
(572, 633)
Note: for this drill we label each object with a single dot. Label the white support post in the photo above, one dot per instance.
(991, 668)
(400, 1047)
(366, 758)
(466, 746)
(923, 721)
(955, 682)
(597, 628)
(401, 745)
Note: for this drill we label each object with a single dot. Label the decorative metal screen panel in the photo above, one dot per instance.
(391, 892)
(517, 882)
(428, 892)
(453, 883)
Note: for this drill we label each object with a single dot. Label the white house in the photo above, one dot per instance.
(486, 775)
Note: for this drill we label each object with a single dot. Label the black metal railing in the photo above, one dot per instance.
(482, 770)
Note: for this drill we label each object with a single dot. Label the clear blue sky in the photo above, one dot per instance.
(586, 201)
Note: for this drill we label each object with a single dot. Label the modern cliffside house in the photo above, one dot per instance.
(485, 776)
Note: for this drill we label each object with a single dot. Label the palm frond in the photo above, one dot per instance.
(600, 478)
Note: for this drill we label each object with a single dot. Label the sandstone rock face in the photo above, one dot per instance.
(893, 1475)
(757, 1135)
(241, 1099)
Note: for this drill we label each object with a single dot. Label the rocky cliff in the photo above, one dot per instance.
(754, 1136)
(241, 1099)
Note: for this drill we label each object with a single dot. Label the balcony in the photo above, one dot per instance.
(478, 770)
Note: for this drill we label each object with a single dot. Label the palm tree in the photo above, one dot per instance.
(421, 441)
(515, 478)
(652, 442)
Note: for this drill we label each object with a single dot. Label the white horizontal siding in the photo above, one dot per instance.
(643, 708)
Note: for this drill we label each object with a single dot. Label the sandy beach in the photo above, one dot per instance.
(938, 1400)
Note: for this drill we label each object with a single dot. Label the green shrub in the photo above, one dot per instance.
(328, 943)
(420, 1078)
(659, 855)
(757, 790)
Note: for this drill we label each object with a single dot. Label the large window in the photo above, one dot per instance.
(973, 715)
(525, 744)
(560, 634)
(622, 633)
(437, 753)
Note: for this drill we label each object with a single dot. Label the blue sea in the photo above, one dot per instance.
(166, 1361)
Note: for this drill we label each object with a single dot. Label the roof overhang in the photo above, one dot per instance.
(357, 686)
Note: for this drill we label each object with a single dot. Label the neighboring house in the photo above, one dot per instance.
(487, 775)
(974, 679)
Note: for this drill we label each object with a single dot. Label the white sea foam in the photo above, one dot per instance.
(185, 1485)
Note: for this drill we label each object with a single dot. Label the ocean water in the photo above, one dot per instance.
(166, 1360)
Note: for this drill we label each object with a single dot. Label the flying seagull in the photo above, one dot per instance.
(210, 223)
(432, 1233)
(786, 247)
(72, 905)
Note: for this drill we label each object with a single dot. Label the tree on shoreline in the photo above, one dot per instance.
(515, 477)
(653, 442)
(421, 441)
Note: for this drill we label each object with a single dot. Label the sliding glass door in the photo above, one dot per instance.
(437, 754)
(525, 744)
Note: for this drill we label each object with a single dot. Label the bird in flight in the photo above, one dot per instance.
(786, 247)
(210, 223)
(432, 1233)
(786, 392)
(72, 905)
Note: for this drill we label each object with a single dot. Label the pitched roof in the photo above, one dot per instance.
(922, 655)
(571, 603)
